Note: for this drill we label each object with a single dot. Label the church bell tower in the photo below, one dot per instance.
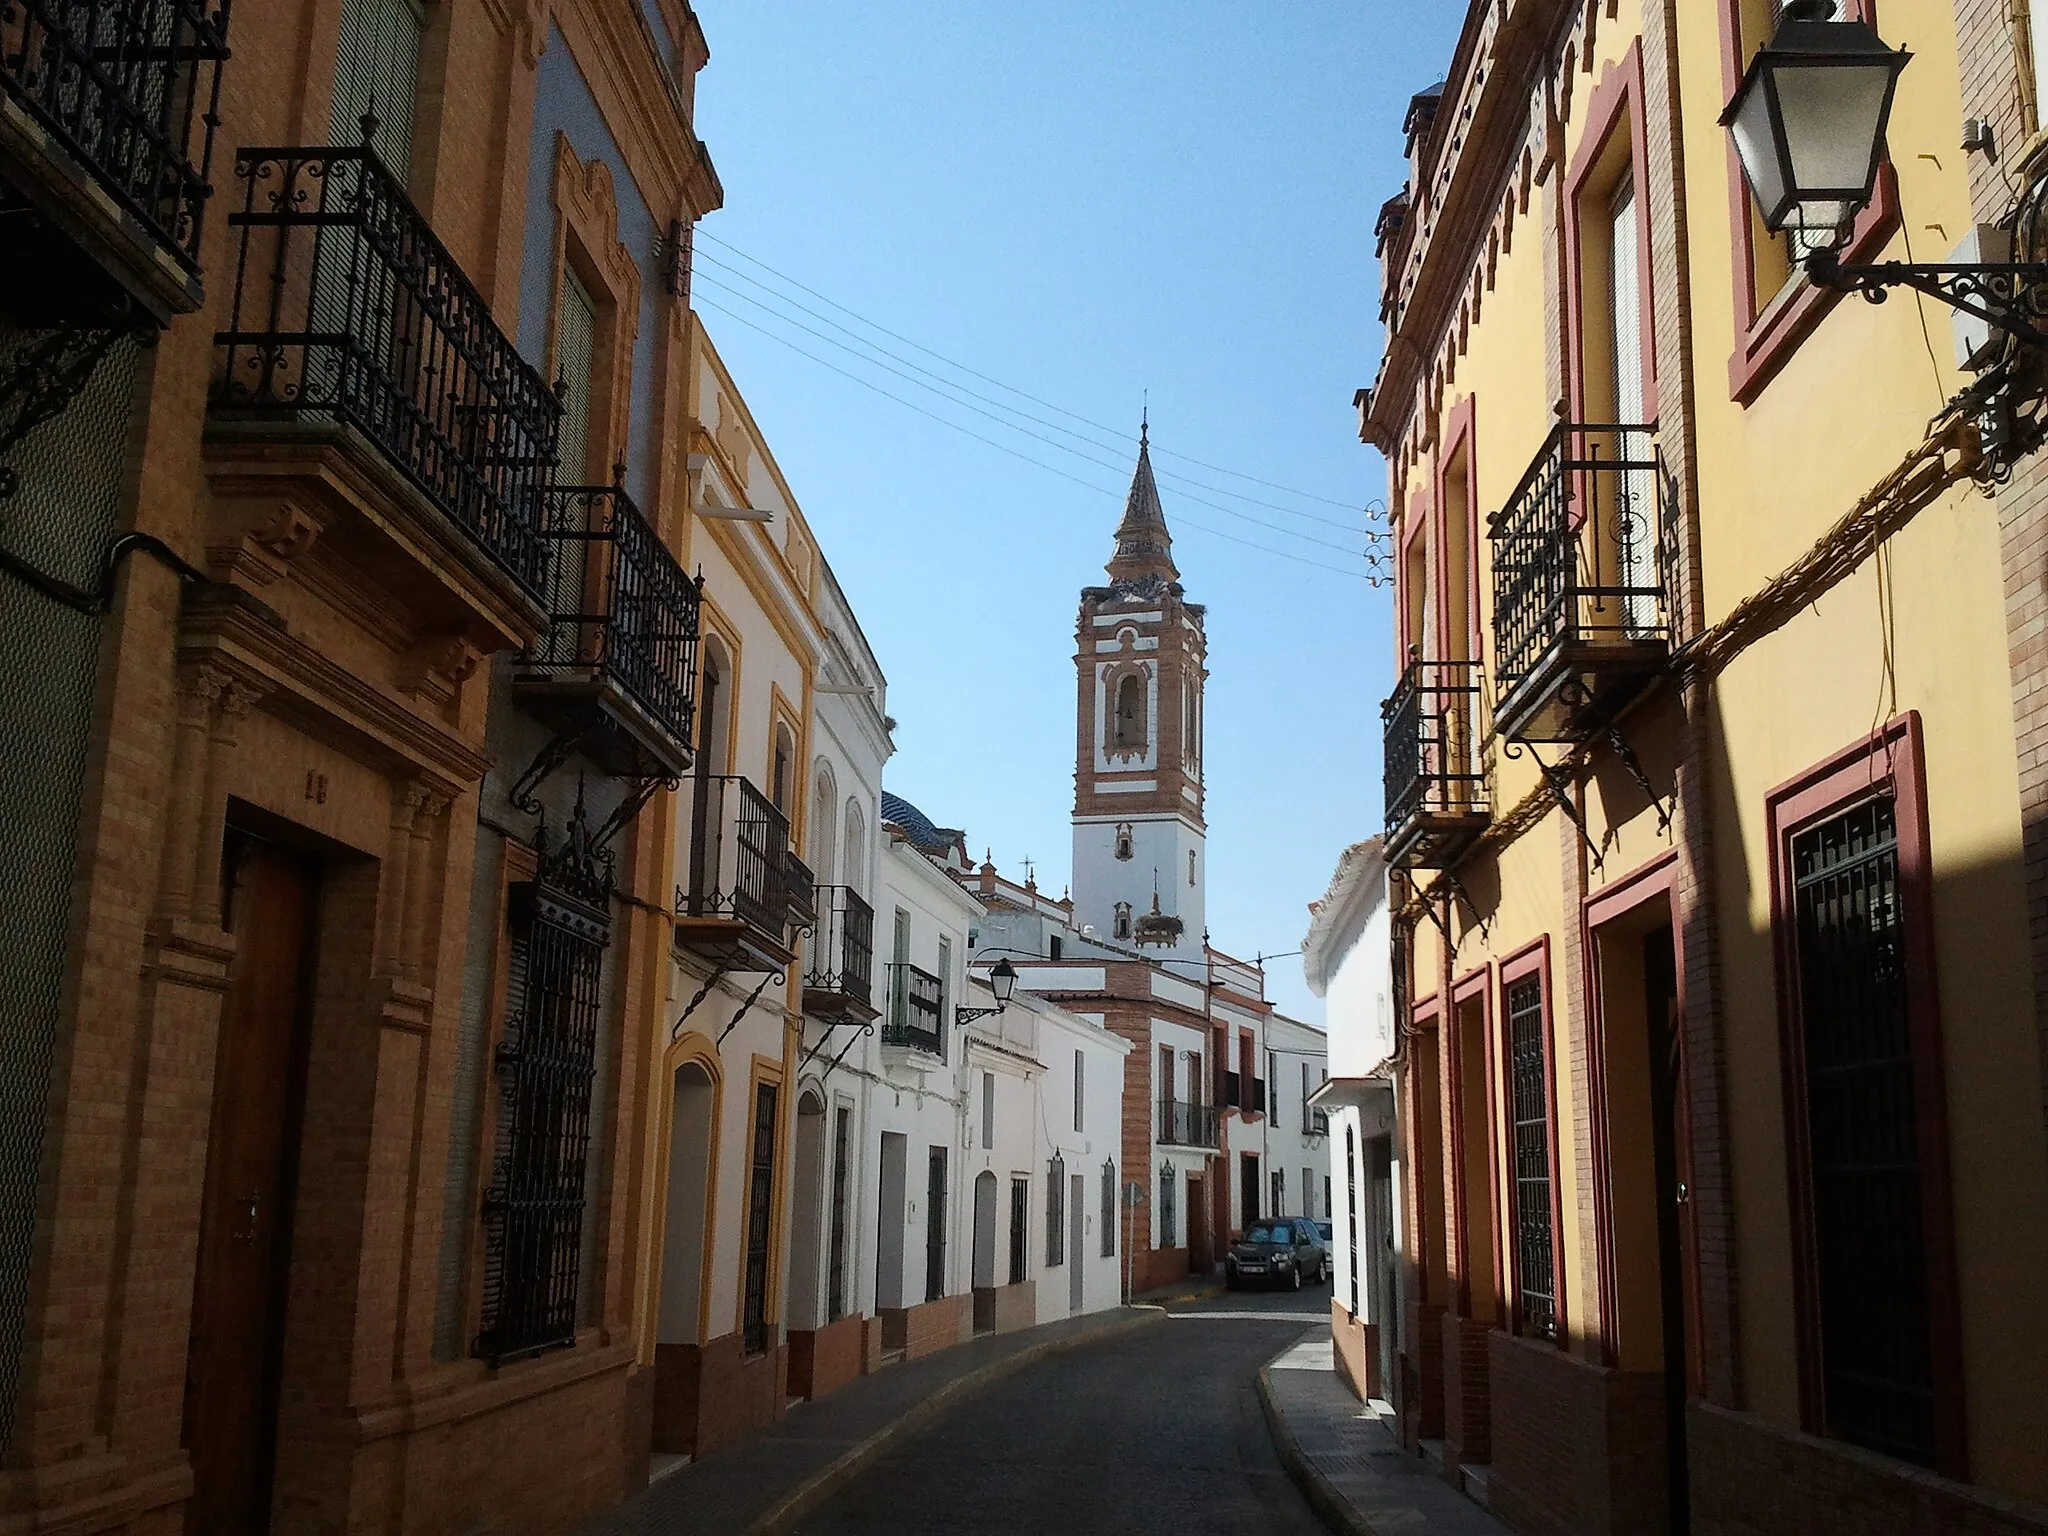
(1140, 865)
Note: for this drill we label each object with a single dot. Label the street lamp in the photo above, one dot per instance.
(1002, 980)
(1808, 123)
(1809, 118)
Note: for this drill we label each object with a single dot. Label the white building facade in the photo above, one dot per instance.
(1347, 959)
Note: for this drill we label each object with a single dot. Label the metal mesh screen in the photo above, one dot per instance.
(842, 1148)
(1862, 1138)
(70, 475)
(1534, 1242)
(533, 1211)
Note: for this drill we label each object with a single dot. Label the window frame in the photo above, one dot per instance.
(1531, 961)
(1770, 327)
(1892, 761)
(1615, 107)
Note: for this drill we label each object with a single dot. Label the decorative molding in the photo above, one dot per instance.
(268, 542)
(436, 667)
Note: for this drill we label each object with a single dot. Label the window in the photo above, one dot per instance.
(1308, 1192)
(1056, 1213)
(1865, 1216)
(1053, 947)
(534, 1210)
(1351, 1201)
(760, 1202)
(1166, 1085)
(842, 1142)
(853, 860)
(1535, 1276)
(1169, 1218)
(1191, 866)
(945, 1017)
(377, 66)
(1020, 1225)
(899, 972)
(988, 1111)
(1123, 830)
(821, 837)
(1273, 1077)
(1329, 1210)
(1109, 1209)
(1122, 927)
(935, 1226)
(1279, 1177)
(1080, 1091)
(781, 766)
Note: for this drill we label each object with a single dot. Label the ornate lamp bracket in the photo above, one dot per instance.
(2011, 296)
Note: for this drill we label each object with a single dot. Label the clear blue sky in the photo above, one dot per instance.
(1086, 201)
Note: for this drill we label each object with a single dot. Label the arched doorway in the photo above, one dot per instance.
(685, 1234)
(807, 1213)
(984, 1252)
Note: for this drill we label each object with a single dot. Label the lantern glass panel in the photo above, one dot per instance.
(1756, 143)
(1833, 117)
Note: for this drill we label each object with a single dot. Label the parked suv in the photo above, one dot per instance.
(1284, 1251)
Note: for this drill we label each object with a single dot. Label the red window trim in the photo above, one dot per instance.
(1458, 437)
(1419, 513)
(1891, 759)
(1532, 959)
(1616, 100)
(1768, 334)
(1451, 1052)
(1647, 883)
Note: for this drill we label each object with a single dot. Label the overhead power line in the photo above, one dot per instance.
(1051, 469)
(875, 325)
(946, 394)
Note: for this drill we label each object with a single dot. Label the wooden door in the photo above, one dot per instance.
(234, 1369)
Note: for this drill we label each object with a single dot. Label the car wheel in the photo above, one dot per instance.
(1294, 1277)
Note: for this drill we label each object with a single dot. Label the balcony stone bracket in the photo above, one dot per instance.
(317, 499)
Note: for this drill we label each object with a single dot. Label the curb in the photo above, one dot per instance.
(806, 1496)
(1331, 1507)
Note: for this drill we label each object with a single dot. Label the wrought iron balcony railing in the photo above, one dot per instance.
(348, 309)
(1186, 1125)
(840, 975)
(130, 90)
(1435, 787)
(739, 852)
(916, 1010)
(799, 892)
(622, 615)
(1582, 554)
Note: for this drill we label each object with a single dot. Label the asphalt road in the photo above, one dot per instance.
(1156, 1433)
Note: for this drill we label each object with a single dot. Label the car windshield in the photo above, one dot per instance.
(1269, 1232)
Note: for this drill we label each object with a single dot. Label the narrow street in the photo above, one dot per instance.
(1158, 1432)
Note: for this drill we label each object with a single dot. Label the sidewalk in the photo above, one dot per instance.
(765, 1482)
(1348, 1464)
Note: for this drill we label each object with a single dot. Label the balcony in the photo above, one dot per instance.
(916, 1011)
(1187, 1125)
(1436, 793)
(839, 981)
(362, 374)
(619, 658)
(734, 910)
(107, 113)
(1582, 553)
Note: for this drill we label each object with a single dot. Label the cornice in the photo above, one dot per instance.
(621, 61)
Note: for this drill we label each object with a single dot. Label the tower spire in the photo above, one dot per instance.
(1144, 547)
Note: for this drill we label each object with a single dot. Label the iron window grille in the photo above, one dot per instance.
(739, 855)
(621, 610)
(1109, 1208)
(1582, 549)
(1351, 1209)
(1868, 1229)
(534, 1208)
(131, 91)
(1169, 1216)
(842, 961)
(842, 1148)
(1430, 743)
(935, 1226)
(348, 309)
(760, 1205)
(1056, 1213)
(1020, 1230)
(1535, 1242)
(916, 1010)
(1186, 1125)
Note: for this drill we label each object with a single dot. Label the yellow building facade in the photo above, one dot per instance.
(1728, 1183)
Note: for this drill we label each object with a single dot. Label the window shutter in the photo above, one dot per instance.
(575, 347)
(377, 69)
